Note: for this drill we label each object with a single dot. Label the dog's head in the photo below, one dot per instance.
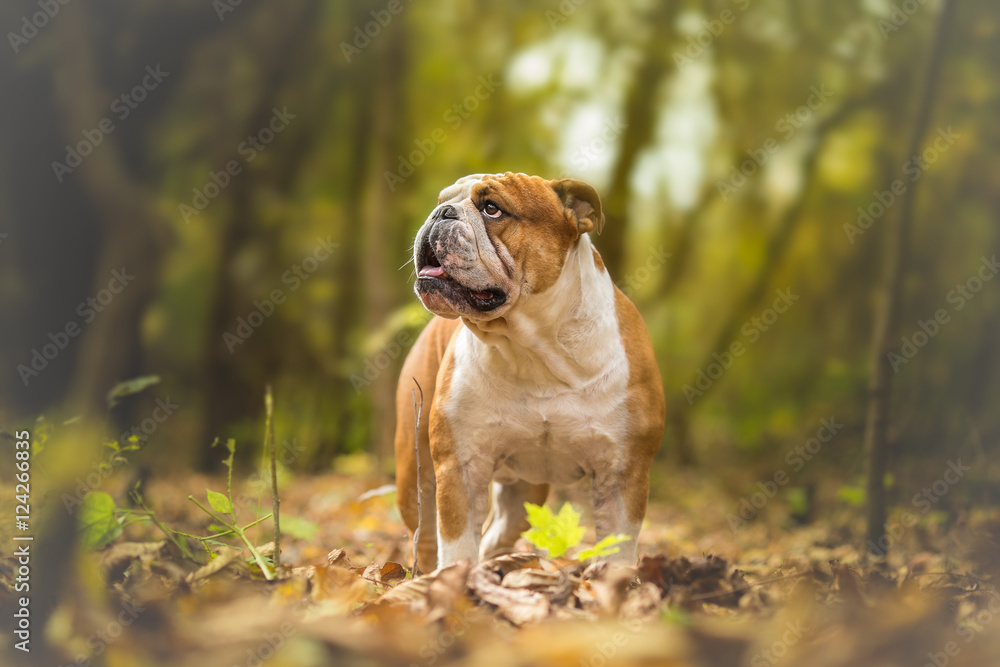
(495, 238)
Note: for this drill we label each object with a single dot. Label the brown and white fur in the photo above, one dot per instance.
(537, 371)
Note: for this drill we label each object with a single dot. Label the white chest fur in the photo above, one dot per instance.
(541, 397)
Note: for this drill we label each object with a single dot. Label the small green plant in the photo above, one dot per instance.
(558, 533)
(224, 511)
(100, 522)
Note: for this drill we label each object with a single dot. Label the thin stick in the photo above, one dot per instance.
(417, 409)
(275, 501)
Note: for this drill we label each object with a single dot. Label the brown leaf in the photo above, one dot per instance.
(437, 590)
(338, 558)
(447, 589)
(641, 603)
(690, 581)
(610, 589)
(519, 606)
(123, 551)
(556, 586)
(392, 572)
(337, 585)
(846, 582)
(372, 572)
(225, 556)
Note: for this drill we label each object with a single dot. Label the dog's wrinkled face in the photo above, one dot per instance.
(494, 238)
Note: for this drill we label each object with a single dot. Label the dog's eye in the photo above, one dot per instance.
(491, 210)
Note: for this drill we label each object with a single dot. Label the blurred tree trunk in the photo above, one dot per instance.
(357, 169)
(679, 408)
(389, 100)
(133, 233)
(640, 125)
(229, 393)
(886, 318)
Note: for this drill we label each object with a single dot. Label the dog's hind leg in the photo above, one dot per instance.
(509, 517)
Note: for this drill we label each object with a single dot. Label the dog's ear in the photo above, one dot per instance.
(583, 200)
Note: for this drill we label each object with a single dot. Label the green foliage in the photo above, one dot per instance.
(228, 462)
(219, 502)
(130, 387)
(676, 616)
(798, 501)
(299, 528)
(117, 448)
(558, 533)
(605, 547)
(223, 503)
(97, 522)
(852, 495)
(42, 433)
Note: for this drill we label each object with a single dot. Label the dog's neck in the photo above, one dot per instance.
(562, 339)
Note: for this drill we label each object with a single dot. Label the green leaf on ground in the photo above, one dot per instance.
(605, 547)
(556, 533)
(97, 522)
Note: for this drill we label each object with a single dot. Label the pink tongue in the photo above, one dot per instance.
(432, 271)
(482, 295)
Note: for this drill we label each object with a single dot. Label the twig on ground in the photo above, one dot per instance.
(275, 500)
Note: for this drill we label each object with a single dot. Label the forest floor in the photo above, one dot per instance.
(703, 593)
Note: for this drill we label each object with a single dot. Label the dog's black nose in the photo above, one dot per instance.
(447, 211)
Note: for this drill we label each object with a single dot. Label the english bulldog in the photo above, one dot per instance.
(536, 371)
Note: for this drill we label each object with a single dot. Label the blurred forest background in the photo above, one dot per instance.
(744, 150)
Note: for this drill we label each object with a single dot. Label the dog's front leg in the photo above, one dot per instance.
(619, 510)
(462, 500)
